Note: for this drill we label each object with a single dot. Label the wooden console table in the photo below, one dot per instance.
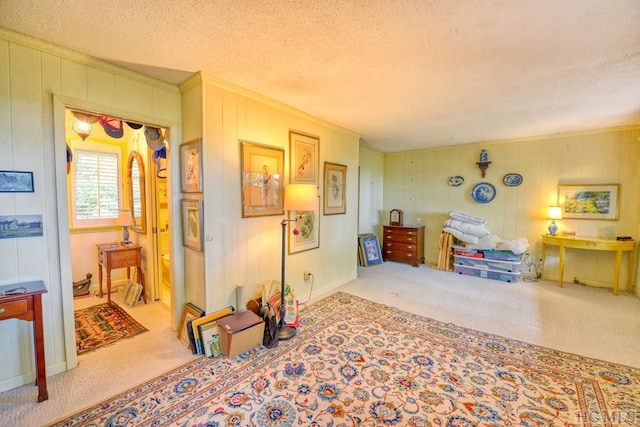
(593, 244)
(24, 301)
(112, 256)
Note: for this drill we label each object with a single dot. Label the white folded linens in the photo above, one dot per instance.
(461, 235)
(464, 217)
(479, 230)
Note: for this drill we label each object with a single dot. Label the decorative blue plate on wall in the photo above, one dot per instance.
(512, 179)
(456, 181)
(483, 192)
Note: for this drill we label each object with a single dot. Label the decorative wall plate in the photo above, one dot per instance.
(456, 181)
(483, 192)
(512, 179)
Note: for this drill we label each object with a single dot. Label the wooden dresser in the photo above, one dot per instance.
(403, 243)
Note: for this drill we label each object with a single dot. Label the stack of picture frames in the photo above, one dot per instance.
(368, 250)
(199, 331)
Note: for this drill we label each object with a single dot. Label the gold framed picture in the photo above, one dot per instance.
(191, 166)
(589, 201)
(262, 169)
(303, 159)
(192, 224)
(335, 189)
(304, 231)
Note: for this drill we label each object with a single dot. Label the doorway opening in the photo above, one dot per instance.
(110, 164)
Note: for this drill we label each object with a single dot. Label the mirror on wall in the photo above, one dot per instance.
(137, 200)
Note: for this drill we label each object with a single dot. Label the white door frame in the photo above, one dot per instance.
(60, 104)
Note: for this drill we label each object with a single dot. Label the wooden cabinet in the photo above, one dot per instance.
(24, 302)
(403, 243)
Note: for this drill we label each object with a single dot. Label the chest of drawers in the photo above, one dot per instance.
(403, 244)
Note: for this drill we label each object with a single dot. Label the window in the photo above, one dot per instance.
(95, 184)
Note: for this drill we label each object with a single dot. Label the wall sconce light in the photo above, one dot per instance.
(553, 213)
(484, 162)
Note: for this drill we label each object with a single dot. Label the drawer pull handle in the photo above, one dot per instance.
(2, 310)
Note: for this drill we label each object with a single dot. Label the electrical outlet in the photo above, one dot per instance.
(306, 276)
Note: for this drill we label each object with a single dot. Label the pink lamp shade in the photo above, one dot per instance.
(125, 219)
(301, 197)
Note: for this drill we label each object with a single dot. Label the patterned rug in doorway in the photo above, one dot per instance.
(359, 363)
(103, 324)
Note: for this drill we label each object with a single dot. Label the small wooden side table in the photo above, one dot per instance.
(112, 256)
(24, 301)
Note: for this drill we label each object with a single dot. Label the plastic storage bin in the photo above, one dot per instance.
(488, 264)
(487, 274)
(502, 255)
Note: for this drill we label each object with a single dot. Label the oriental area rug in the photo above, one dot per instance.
(359, 363)
(103, 324)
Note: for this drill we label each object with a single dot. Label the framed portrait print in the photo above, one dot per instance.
(304, 231)
(16, 182)
(589, 201)
(303, 151)
(262, 169)
(191, 166)
(192, 224)
(335, 187)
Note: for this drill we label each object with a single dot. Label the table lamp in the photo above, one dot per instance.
(125, 219)
(297, 197)
(553, 213)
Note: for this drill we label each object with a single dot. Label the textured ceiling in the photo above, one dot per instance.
(405, 74)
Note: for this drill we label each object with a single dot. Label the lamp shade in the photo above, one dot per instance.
(300, 197)
(554, 212)
(125, 219)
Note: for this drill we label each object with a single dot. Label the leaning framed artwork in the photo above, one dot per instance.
(192, 224)
(262, 172)
(16, 182)
(589, 201)
(303, 151)
(304, 231)
(370, 250)
(335, 187)
(191, 166)
(189, 312)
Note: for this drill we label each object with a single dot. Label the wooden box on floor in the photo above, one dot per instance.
(240, 333)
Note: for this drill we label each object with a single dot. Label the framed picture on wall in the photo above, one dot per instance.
(304, 231)
(192, 224)
(262, 172)
(191, 166)
(335, 187)
(303, 150)
(16, 182)
(589, 201)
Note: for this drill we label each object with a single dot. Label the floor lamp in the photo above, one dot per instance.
(297, 197)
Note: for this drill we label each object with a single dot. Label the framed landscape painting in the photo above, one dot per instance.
(589, 201)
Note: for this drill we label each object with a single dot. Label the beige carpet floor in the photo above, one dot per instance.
(578, 319)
